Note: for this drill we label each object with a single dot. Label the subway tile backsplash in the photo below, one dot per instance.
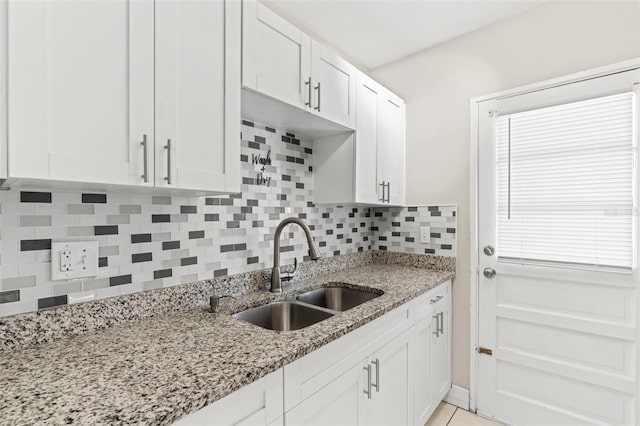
(151, 241)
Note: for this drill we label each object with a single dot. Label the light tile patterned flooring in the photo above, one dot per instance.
(450, 415)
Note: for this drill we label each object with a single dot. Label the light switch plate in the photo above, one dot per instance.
(425, 234)
(74, 259)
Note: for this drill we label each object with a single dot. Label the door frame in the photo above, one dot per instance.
(473, 204)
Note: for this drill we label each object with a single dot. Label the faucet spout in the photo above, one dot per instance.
(314, 252)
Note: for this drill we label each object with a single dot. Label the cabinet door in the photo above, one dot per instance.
(391, 383)
(198, 94)
(391, 147)
(276, 56)
(259, 403)
(80, 98)
(441, 350)
(421, 338)
(341, 402)
(368, 187)
(334, 86)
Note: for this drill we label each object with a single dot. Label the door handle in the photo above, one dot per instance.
(388, 192)
(441, 329)
(489, 272)
(376, 362)
(382, 185)
(437, 318)
(317, 108)
(145, 163)
(367, 391)
(168, 148)
(308, 83)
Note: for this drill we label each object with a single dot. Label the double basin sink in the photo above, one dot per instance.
(308, 308)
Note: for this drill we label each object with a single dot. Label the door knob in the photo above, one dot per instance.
(489, 272)
(489, 250)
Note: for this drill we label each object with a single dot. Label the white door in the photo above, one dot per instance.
(341, 402)
(391, 148)
(558, 254)
(80, 90)
(368, 188)
(276, 56)
(391, 377)
(334, 86)
(198, 94)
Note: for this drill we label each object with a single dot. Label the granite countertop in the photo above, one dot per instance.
(156, 370)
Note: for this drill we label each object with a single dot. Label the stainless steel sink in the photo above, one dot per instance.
(283, 316)
(337, 298)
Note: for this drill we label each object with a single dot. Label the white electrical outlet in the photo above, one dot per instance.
(425, 234)
(74, 259)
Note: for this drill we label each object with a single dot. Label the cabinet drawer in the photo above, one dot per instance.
(312, 372)
(424, 304)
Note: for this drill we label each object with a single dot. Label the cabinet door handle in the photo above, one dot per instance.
(376, 362)
(441, 329)
(319, 90)
(382, 185)
(437, 318)
(168, 148)
(367, 391)
(388, 192)
(308, 83)
(145, 163)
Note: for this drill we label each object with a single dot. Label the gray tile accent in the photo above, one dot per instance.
(80, 231)
(161, 200)
(35, 220)
(130, 209)
(18, 282)
(81, 209)
(9, 296)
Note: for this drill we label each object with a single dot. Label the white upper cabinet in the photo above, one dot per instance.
(276, 56)
(282, 62)
(97, 90)
(391, 148)
(198, 95)
(367, 167)
(80, 90)
(368, 180)
(334, 86)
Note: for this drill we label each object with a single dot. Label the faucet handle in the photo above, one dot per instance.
(289, 275)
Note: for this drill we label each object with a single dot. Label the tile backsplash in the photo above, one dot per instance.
(150, 241)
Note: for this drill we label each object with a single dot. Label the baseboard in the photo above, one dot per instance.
(458, 396)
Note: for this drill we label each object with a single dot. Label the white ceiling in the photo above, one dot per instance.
(376, 32)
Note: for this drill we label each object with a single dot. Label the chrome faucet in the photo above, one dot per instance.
(314, 253)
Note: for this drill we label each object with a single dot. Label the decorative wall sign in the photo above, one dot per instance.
(259, 160)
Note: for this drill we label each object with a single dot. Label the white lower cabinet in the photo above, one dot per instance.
(259, 403)
(341, 402)
(431, 352)
(392, 371)
(390, 383)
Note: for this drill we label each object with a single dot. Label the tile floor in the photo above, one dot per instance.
(450, 415)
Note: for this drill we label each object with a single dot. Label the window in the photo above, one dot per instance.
(565, 183)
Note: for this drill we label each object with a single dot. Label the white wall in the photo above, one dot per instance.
(552, 40)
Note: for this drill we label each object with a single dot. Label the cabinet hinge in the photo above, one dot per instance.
(483, 350)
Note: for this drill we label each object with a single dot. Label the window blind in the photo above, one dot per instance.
(565, 183)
